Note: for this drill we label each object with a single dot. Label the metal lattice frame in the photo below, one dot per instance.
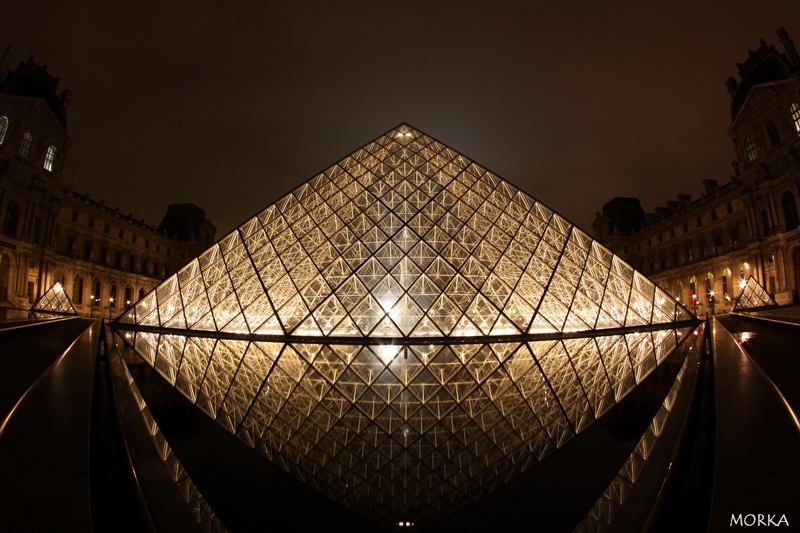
(406, 331)
(753, 296)
(55, 300)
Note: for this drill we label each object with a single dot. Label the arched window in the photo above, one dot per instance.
(794, 109)
(678, 292)
(709, 285)
(141, 294)
(693, 289)
(5, 270)
(11, 220)
(112, 296)
(77, 290)
(97, 295)
(3, 128)
(726, 275)
(774, 138)
(25, 146)
(744, 273)
(128, 296)
(750, 147)
(50, 158)
(790, 211)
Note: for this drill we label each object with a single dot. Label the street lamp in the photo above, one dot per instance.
(110, 304)
(91, 306)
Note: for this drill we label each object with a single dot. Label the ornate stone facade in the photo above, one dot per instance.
(105, 260)
(702, 250)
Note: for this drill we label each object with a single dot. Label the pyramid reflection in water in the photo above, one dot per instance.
(406, 332)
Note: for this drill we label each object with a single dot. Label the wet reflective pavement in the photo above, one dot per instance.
(44, 441)
(43, 445)
(757, 458)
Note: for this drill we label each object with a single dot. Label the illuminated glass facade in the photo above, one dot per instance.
(406, 332)
(55, 300)
(753, 296)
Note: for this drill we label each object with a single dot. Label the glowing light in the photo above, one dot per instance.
(387, 352)
(742, 284)
(385, 248)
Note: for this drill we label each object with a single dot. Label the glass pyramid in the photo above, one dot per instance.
(406, 331)
(753, 296)
(55, 300)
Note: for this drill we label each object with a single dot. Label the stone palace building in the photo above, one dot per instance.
(702, 250)
(105, 259)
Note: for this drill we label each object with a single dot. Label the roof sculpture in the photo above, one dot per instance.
(406, 331)
(753, 296)
(55, 300)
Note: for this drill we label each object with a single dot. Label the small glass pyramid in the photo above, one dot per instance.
(55, 300)
(406, 331)
(753, 296)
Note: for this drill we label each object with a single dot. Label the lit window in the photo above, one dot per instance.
(25, 146)
(3, 128)
(795, 111)
(726, 274)
(750, 148)
(77, 290)
(50, 158)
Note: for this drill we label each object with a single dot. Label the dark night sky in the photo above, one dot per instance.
(232, 104)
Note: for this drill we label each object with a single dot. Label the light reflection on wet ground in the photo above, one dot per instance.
(744, 336)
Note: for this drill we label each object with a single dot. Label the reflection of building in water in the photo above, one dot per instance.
(406, 331)
(48, 233)
(703, 250)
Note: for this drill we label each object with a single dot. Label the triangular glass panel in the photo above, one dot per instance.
(406, 331)
(54, 300)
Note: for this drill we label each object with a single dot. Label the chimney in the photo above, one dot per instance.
(731, 84)
(788, 45)
(5, 63)
(711, 186)
(66, 98)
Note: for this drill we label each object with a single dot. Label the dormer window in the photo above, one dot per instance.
(750, 147)
(25, 146)
(3, 128)
(794, 109)
(772, 131)
(50, 158)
